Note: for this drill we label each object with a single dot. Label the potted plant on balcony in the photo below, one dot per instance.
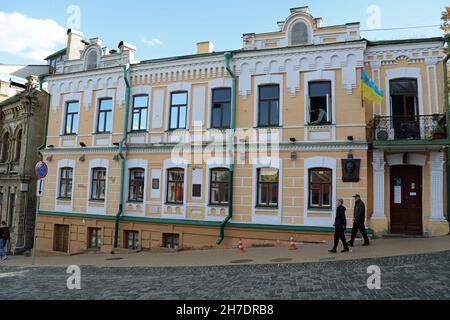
(438, 132)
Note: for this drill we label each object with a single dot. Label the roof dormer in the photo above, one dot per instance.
(301, 29)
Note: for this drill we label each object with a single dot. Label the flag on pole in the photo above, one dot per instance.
(369, 89)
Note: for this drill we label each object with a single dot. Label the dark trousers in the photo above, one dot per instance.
(339, 234)
(359, 226)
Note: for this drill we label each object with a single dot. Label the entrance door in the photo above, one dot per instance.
(406, 200)
(61, 238)
(12, 208)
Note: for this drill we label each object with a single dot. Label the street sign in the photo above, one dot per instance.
(40, 188)
(41, 170)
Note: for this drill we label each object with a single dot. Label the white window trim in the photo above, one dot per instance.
(97, 163)
(270, 79)
(66, 163)
(275, 163)
(140, 91)
(170, 164)
(319, 162)
(131, 164)
(103, 95)
(212, 85)
(398, 73)
(212, 164)
(320, 76)
(71, 97)
(177, 87)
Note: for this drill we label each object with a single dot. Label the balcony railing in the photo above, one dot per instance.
(427, 127)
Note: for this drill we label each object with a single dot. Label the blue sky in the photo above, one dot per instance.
(173, 27)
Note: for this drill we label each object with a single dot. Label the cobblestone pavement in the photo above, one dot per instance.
(407, 277)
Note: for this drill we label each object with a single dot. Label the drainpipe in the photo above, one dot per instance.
(126, 69)
(447, 112)
(228, 57)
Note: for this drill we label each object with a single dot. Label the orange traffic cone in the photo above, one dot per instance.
(241, 247)
(292, 246)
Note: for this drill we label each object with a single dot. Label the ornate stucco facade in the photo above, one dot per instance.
(282, 79)
(22, 124)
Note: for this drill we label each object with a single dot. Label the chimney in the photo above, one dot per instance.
(205, 47)
(75, 44)
(127, 48)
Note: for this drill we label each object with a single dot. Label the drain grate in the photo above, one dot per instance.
(241, 261)
(281, 260)
(114, 259)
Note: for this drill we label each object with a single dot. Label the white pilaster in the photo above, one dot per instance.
(437, 186)
(378, 165)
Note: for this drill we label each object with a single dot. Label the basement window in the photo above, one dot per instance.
(171, 240)
(131, 240)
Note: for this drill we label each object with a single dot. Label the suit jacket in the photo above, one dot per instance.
(360, 212)
(341, 219)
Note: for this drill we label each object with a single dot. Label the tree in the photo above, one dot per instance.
(446, 20)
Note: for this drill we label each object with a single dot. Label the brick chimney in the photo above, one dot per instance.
(75, 44)
(205, 47)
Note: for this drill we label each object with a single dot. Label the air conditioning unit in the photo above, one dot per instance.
(384, 134)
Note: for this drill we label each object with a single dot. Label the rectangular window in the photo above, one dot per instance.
(139, 113)
(131, 240)
(268, 187)
(178, 110)
(171, 241)
(221, 108)
(65, 183)
(136, 185)
(269, 105)
(72, 118)
(320, 186)
(98, 184)
(175, 186)
(220, 179)
(104, 121)
(94, 238)
(320, 102)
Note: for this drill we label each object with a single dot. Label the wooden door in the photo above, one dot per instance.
(406, 200)
(61, 238)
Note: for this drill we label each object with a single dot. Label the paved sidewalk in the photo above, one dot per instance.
(275, 255)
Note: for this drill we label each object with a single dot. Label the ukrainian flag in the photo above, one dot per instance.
(369, 89)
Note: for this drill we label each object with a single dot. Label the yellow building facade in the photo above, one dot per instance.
(151, 154)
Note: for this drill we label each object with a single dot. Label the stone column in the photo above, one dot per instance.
(437, 186)
(378, 165)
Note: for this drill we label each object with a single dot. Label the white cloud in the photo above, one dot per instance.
(30, 38)
(153, 42)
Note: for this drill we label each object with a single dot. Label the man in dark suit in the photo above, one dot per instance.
(359, 223)
(340, 225)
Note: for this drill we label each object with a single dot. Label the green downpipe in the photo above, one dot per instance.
(121, 154)
(447, 112)
(228, 58)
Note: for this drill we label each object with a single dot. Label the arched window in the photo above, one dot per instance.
(5, 147)
(299, 34)
(18, 145)
(92, 59)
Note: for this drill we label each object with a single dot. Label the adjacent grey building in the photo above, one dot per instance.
(22, 126)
